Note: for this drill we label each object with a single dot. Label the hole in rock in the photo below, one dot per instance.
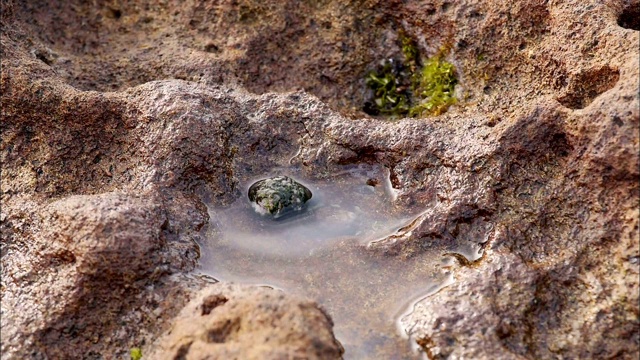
(224, 331)
(115, 13)
(182, 352)
(322, 252)
(629, 18)
(212, 302)
(588, 85)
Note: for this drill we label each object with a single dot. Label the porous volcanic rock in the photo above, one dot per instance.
(234, 322)
(121, 119)
(79, 266)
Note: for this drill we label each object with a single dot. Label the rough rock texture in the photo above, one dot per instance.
(80, 266)
(278, 195)
(233, 322)
(104, 171)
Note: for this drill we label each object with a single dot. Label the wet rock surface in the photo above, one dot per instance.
(120, 120)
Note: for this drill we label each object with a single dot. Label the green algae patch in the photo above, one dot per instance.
(435, 87)
(411, 87)
(135, 353)
(391, 98)
(409, 50)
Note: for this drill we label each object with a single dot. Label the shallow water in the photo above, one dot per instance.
(321, 253)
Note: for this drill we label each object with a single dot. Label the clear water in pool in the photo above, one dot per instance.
(321, 252)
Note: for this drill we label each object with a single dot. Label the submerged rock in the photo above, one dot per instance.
(278, 195)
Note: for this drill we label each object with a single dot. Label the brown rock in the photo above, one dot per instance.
(104, 171)
(80, 266)
(239, 322)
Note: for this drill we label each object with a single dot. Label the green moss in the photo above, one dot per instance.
(390, 97)
(409, 87)
(136, 353)
(434, 87)
(409, 50)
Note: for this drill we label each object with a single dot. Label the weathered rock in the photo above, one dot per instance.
(80, 267)
(537, 164)
(240, 322)
(278, 195)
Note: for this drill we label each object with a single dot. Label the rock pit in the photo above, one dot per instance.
(123, 120)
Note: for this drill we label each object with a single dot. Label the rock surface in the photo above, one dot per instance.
(278, 195)
(120, 119)
(234, 322)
